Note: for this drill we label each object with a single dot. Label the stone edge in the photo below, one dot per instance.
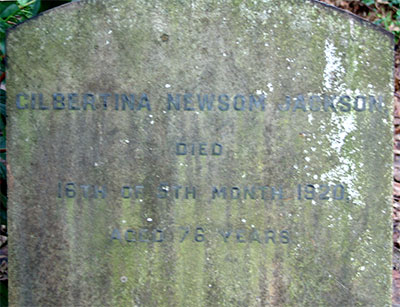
(355, 17)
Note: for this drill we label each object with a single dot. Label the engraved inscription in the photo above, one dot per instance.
(200, 102)
(165, 190)
(200, 149)
(199, 234)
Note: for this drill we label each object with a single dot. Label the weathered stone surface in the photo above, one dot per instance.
(70, 248)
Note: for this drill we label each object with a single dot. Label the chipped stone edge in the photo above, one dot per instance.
(70, 5)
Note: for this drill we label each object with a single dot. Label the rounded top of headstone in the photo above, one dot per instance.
(107, 4)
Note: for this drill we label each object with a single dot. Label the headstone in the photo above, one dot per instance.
(199, 153)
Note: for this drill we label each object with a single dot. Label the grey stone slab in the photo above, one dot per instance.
(199, 153)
